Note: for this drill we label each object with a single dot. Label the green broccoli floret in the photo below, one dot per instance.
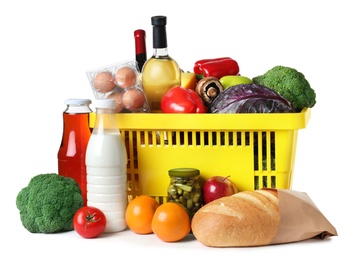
(289, 83)
(49, 203)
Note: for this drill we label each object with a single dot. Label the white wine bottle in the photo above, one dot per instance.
(160, 72)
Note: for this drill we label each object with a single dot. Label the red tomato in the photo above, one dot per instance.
(89, 222)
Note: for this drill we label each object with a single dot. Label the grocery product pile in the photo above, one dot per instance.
(215, 86)
(216, 213)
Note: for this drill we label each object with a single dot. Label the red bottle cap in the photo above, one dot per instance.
(140, 43)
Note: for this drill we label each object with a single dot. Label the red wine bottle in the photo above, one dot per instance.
(140, 48)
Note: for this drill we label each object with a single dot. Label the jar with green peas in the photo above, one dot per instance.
(185, 189)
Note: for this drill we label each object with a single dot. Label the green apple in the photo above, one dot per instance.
(233, 80)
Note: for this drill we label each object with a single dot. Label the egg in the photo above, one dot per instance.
(104, 82)
(125, 77)
(133, 99)
(118, 96)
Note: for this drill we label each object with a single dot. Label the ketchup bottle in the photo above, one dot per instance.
(76, 134)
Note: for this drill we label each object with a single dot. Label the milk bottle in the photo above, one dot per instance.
(106, 164)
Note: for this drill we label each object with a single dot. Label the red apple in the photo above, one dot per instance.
(217, 187)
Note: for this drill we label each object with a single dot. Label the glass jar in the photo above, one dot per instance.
(185, 189)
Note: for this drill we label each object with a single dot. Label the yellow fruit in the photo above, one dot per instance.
(188, 80)
(171, 222)
(139, 214)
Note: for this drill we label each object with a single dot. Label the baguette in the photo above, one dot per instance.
(247, 218)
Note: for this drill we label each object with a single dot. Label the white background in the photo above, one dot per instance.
(46, 47)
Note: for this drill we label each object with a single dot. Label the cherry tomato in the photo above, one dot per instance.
(89, 222)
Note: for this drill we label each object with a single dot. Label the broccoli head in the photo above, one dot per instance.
(290, 84)
(49, 203)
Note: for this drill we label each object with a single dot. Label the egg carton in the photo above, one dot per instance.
(121, 81)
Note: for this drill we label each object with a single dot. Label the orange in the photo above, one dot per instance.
(171, 222)
(139, 213)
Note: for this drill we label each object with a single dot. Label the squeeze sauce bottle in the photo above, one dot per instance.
(76, 133)
(106, 164)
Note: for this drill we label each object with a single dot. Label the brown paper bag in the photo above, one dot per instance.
(300, 219)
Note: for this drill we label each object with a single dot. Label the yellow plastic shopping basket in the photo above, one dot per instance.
(255, 150)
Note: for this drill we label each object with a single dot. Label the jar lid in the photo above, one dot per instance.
(77, 101)
(184, 172)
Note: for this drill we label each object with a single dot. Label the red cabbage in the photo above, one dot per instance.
(250, 98)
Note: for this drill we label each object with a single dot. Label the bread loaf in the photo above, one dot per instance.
(247, 218)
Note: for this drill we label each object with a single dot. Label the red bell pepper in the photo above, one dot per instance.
(217, 68)
(182, 100)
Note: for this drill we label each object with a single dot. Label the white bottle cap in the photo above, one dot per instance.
(77, 101)
(105, 103)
